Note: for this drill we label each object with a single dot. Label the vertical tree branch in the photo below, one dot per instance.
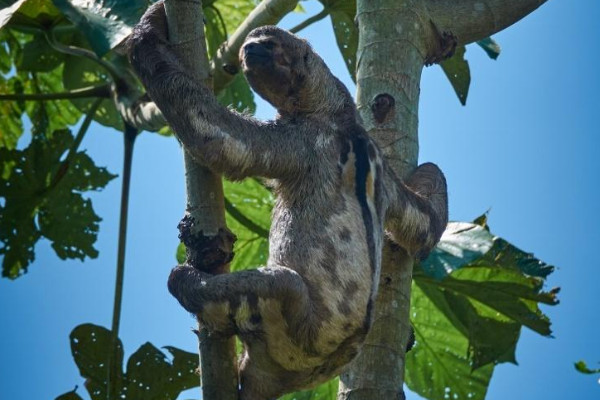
(396, 37)
(204, 219)
(472, 20)
(393, 42)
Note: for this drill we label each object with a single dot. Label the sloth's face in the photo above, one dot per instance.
(276, 65)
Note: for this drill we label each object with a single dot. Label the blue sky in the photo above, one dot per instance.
(525, 146)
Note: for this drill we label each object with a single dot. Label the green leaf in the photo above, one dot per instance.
(458, 73)
(234, 12)
(38, 56)
(249, 206)
(105, 23)
(72, 395)
(438, 366)
(216, 32)
(238, 95)
(469, 301)
(81, 72)
(490, 47)
(582, 367)
(11, 125)
(150, 374)
(346, 34)
(325, 391)
(43, 197)
(180, 254)
(460, 244)
(60, 114)
(34, 13)
(7, 12)
(91, 347)
(470, 244)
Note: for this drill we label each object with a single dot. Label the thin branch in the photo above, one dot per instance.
(81, 52)
(102, 91)
(114, 371)
(205, 208)
(66, 163)
(221, 20)
(309, 21)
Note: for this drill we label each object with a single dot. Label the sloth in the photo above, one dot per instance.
(303, 316)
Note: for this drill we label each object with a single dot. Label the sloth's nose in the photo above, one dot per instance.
(255, 49)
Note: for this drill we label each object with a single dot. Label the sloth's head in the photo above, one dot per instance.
(285, 71)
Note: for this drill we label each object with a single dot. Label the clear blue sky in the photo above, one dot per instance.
(525, 146)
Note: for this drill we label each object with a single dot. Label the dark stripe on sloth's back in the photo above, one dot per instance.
(362, 168)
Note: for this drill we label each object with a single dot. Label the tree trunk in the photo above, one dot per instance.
(203, 228)
(396, 39)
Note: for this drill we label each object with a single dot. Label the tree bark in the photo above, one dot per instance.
(396, 38)
(473, 20)
(204, 219)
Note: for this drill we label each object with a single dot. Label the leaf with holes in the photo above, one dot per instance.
(150, 373)
(43, 197)
(11, 124)
(72, 395)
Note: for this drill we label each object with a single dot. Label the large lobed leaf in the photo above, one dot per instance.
(469, 301)
(42, 197)
(150, 374)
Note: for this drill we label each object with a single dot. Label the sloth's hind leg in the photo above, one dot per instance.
(230, 303)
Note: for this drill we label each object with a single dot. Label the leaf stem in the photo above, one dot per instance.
(102, 91)
(309, 21)
(64, 165)
(81, 52)
(245, 221)
(221, 20)
(114, 370)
